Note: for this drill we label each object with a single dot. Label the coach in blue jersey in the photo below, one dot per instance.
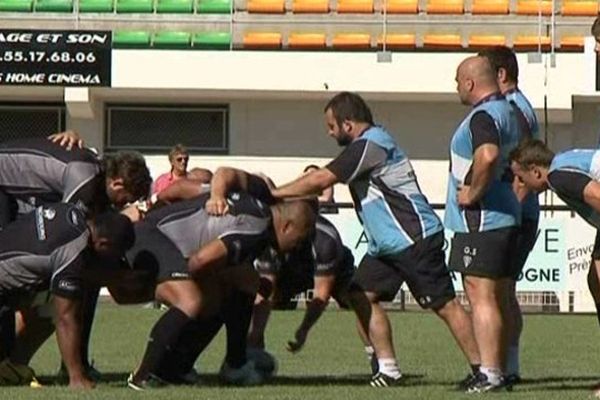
(482, 209)
(53, 248)
(504, 63)
(405, 235)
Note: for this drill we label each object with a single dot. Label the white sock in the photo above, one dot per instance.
(369, 350)
(493, 374)
(389, 367)
(512, 360)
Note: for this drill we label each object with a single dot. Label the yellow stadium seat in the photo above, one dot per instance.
(310, 6)
(402, 7)
(351, 41)
(445, 7)
(355, 6)
(397, 41)
(442, 42)
(489, 7)
(532, 7)
(483, 41)
(306, 41)
(531, 43)
(262, 40)
(579, 8)
(571, 43)
(266, 6)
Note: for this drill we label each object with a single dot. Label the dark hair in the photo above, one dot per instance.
(117, 229)
(131, 167)
(531, 153)
(502, 57)
(349, 106)
(596, 28)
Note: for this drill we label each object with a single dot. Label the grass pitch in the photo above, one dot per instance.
(559, 360)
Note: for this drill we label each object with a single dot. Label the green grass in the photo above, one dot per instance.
(559, 360)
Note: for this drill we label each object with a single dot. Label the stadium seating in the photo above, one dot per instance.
(531, 43)
(135, 6)
(266, 6)
(16, 5)
(214, 6)
(54, 6)
(533, 7)
(442, 42)
(489, 7)
(355, 6)
(571, 43)
(445, 7)
(310, 6)
(306, 41)
(397, 41)
(579, 8)
(131, 39)
(262, 40)
(174, 6)
(484, 41)
(351, 41)
(402, 7)
(172, 39)
(212, 40)
(96, 6)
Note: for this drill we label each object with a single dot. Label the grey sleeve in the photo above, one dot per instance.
(68, 263)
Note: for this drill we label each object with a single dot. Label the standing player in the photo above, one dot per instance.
(504, 63)
(405, 235)
(51, 249)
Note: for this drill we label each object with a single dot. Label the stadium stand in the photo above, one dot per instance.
(351, 41)
(310, 6)
(307, 41)
(96, 6)
(266, 6)
(402, 7)
(174, 6)
(533, 7)
(262, 40)
(212, 40)
(16, 5)
(355, 6)
(445, 7)
(397, 41)
(483, 41)
(135, 6)
(61, 6)
(214, 6)
(489, 7)
(531, 43)
(579, 8)
(442, 42)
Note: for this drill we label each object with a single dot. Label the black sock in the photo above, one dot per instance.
(7, 331)
(237, 314)
(164, 336)
(475, 368)
(598, 312)
(193, 340)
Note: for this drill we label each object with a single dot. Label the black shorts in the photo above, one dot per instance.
(526, 237)
(422, 266)
(488, 254)
(155, 252)
(596, 250)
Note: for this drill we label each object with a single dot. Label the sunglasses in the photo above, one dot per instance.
(182, 159)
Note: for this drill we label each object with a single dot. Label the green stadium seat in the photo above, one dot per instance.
(212, 40)
(96, 6)
(16, 5)
(175, 6)
(54, 6)
(172, 39)
(135, 6)
(131, 39)
(214, 6)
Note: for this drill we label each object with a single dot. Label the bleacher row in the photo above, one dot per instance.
(340, 41)
(568, 8)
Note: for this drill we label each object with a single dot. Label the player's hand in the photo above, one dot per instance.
(81, 383)
(463, 196)
(67, 139)
(294, 346)
(216, 206)
(133, 212)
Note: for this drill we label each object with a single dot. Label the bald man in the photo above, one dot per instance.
(483, 211)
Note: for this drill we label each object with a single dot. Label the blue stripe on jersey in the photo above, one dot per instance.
(586, 162)
(394, 212)
(499, 206)
(531, 204)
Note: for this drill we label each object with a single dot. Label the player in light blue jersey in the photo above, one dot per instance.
(575, 177)
(483, 211)
(405, 235)
(504, 62)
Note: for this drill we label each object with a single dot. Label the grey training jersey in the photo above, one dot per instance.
(37, 171)
(45, 249)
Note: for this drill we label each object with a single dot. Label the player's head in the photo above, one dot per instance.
(596, 33)
(293, 221)
(530, 162)
(179, 158)
(127, 177)
(200, 174)
(345, 116)
(475, 79)
(112, 234)
(504, 63)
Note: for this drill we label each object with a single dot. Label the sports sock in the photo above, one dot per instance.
(475, 368)
(389, 367)
(493, 374)
(237, 314)
(164, 335)
(512, 360)
(7, 331)
(369, 350)
(598, 312)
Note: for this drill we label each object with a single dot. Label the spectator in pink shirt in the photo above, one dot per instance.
(179, 158)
